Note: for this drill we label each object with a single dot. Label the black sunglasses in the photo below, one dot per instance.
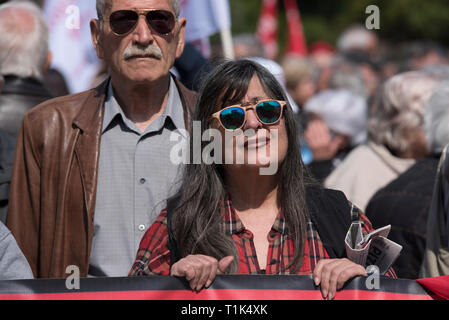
(269, 112)
(123, 22)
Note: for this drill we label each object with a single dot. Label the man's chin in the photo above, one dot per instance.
(142, 77)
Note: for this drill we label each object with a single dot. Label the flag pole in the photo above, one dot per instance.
(228, 45)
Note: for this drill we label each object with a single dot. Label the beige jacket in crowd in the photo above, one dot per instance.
(364, 171)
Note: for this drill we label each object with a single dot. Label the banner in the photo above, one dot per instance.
(70, 41)
(268, 28)
(234, 288)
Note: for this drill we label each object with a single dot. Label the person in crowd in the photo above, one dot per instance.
(25, 58)
(322, 54)
(13, 264)
(247, 45)
(436, 255)
(344, 74)
(300, 78)
(230, 218)
(92, 170)
(421, 54)
(405, 202)
(336, 124)
(56, 83)
(7, 145)
(395, 138)
(358, 39)
(191, 66)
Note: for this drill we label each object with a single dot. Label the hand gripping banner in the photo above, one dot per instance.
(233, 288)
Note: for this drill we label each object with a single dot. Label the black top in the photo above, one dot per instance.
(405, 203)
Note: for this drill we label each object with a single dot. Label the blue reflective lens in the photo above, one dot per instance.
(232, 118)
(269, 111)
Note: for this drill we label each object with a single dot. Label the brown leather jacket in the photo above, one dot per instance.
(52, 200)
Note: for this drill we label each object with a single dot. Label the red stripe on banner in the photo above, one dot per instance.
(233, 295)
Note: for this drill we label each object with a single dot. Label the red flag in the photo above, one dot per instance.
(297, 44)
(438, 285)
(268, 26)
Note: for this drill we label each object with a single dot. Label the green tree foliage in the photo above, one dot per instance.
(401, 20)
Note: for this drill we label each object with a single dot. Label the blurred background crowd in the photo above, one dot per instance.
(372, 104)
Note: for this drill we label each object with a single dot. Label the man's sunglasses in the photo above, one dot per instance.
(268, 112)
(123, 22)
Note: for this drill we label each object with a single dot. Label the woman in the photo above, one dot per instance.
(229, 218)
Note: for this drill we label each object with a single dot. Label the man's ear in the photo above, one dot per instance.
(181, 37)
(95, 32)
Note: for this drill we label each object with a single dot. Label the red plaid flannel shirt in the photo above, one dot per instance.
(153, 256)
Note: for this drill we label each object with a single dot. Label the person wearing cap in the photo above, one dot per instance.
(336, 124)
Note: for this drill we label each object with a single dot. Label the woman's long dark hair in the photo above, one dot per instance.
(197, 220)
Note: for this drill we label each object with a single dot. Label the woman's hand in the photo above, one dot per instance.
(200, 270)
(332, 274)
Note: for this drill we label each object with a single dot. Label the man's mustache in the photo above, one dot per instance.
(151, 50)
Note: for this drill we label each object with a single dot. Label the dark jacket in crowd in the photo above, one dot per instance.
(7, 145)
(405, 204)
(18, 96)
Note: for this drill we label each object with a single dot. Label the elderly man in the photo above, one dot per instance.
(24, 62)
(92, 170)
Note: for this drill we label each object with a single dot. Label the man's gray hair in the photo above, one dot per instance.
(101, 7)
(23, 52)
(436, 119)
(398, 109)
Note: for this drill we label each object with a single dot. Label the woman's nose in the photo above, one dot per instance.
(252, 122)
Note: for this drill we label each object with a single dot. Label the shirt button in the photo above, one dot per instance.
(143, 181)
(142, 227)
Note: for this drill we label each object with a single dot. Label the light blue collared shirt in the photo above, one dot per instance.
(135, 178)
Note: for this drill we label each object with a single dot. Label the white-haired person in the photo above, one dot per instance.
(395, 137)
(25, 57)
(404, 203)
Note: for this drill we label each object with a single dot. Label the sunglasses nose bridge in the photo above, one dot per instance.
(252, 119)
(144, 34)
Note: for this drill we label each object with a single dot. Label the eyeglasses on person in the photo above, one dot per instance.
(122, 22)
(268, 112)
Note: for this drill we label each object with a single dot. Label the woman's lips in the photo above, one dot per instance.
(256, 143)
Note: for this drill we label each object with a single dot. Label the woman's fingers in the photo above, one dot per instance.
(332, 274)
(324, 274)
(200, 270)
(224, 264)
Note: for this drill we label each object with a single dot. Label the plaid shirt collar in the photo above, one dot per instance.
(233, 225)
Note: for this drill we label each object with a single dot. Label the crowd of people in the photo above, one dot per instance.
(88, 181)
